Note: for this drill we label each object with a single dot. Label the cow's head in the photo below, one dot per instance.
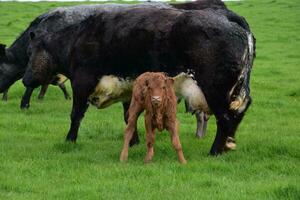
(41, 65)
(109, 90)
(156, 86)
(9, 71)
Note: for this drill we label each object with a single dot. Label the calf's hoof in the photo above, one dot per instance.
(183, 161)
(147, 161)
(123, 156)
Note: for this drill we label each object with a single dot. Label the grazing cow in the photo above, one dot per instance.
(58, 80)
(154, 93)
(219, 52)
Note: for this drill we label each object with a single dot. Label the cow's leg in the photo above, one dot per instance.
(135, 137)
(43, 91)
(134, 110)
(150, 139)
(201, 124)
(173, 129)
(5, 95)
(64, 89)
(26, 98)
(83, 84)
(227, 124)
(231, 141)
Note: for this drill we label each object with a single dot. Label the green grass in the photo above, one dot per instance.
(36, 163)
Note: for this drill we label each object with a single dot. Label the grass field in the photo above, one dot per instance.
(36, 163)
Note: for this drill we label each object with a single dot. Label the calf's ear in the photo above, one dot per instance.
(170, 80)
(2, 50)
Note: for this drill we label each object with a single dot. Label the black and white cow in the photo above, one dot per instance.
(132, 40)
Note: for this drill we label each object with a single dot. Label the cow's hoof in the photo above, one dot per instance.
(24, 106)
(230, 146)
(71, 139)
(215, 152)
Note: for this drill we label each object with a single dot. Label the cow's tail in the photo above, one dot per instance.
(239, 96)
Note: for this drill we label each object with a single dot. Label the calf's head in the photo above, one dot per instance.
(156, 86)
(41, 64)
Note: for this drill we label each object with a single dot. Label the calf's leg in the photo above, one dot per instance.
(134, 110)
(135, 137)
(173, 129)
(150, 139)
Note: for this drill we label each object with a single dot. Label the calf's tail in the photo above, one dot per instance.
(239, 96)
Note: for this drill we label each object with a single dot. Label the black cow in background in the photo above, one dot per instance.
(138, 39)
(14, 60)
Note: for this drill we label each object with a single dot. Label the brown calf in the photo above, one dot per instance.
(154, 93)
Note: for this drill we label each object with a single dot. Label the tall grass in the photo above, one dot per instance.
(36, 163)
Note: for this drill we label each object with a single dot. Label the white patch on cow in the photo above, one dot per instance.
(187, 88)
(250, 43)
(240, 101)
(61, 79)
(230, 146)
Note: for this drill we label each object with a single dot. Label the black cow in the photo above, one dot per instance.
(133, 40)
(54, 39)
(13, 60)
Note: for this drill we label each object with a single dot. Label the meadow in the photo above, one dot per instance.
(36, 163)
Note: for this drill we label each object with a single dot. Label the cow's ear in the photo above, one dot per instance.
(32, 35)
(2, 50)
